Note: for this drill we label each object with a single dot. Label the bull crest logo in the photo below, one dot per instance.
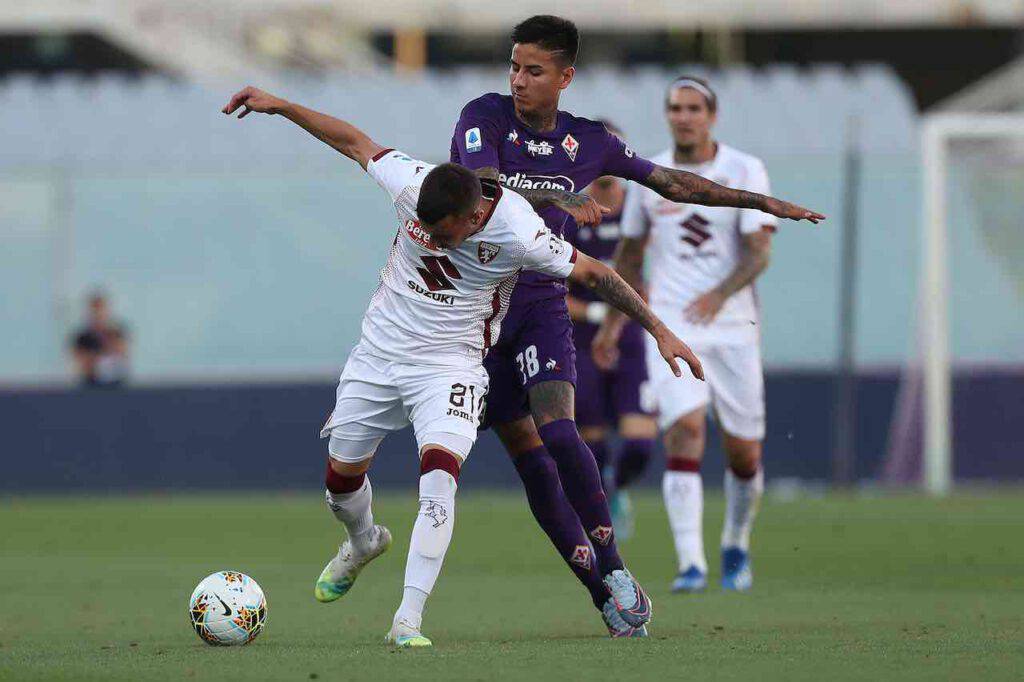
(487, 252)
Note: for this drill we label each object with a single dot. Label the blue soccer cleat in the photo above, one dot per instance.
(736, 573)
(690, 581)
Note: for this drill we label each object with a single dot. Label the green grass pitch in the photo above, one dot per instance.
(846, 587)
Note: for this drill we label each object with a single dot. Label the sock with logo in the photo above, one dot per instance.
(432, 532)
(557, 518)
(581, 481)
(743, 491)
(683, 491)
(350, 498)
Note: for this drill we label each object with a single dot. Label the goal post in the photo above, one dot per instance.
(939, 132)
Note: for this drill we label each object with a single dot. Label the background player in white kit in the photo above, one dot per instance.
(703, 263)
(442, 295)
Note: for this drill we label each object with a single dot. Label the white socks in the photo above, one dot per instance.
(742, 498)
(684, 501)
(353, 510)
(431, 535)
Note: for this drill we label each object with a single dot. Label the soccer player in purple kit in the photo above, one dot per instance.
(547, 155)
(616, 399)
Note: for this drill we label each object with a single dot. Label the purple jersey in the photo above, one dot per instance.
(570, 157)
(597, 242)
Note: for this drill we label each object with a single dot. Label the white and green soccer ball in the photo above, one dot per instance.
(228, 608)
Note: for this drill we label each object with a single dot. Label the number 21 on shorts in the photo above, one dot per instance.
(528, 364)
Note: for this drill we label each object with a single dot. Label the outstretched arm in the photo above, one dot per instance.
(689, 188)
(343, 136)
(613, 289)
(581, 207)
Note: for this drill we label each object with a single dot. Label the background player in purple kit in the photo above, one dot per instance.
(615, 399)
(547, 155)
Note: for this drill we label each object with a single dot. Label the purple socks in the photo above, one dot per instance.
(633, 459)
(556, 516)
(581, 481)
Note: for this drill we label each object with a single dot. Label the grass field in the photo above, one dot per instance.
(891, 587)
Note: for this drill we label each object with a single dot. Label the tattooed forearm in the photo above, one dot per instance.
(753, 260)
(539, 198)
(690, 188)
(613, 289)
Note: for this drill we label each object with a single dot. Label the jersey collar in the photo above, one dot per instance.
(491, 191)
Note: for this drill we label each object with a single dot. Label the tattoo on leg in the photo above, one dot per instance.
(551, 401)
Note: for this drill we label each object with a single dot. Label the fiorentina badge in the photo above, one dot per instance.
(581, 557)
(486, 252)
(571, 146)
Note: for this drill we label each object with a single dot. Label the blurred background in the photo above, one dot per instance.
(180, 291)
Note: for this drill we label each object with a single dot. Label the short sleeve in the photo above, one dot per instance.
(546, 252)
(751, 219)
(621, 161)
(634, 221)
(394, 171)
(477, 135)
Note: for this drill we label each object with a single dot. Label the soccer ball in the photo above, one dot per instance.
(227, 608)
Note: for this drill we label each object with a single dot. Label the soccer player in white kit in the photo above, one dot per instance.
(703, 264)
(455, 259)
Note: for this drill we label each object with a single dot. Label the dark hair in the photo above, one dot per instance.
(449, 189)
(611, 127)
(551, 33)
(712, 101)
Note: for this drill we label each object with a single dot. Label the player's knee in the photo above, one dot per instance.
(744, 456)
(345, 477)
(560, 436)
(552, 401)
(435, 458)
(519, 437)
(685, 439)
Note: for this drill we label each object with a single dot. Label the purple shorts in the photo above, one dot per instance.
(603, 397)
(535, 345)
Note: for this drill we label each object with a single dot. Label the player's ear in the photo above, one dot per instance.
(477, 218)
(567, 76)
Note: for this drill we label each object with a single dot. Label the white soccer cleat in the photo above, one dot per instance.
(341, 571)
(631, 602)
(405, 634)
(617, 627)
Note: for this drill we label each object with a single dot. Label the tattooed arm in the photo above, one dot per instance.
(581, 207)
(689, 188)
(612, 288)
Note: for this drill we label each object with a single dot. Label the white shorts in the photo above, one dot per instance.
(377, 396)
(734, 387)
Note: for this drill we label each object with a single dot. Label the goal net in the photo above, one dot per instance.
(960, 411)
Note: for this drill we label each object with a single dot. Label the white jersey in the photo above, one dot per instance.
(693, 248)
(445, 306)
